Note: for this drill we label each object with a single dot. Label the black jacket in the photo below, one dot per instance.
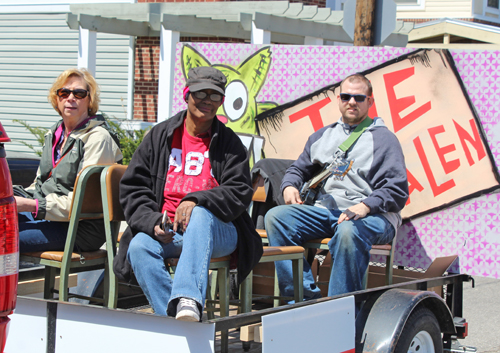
(141, 191)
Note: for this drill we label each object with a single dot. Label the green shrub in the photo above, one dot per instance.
(129, 139)
(38, 132)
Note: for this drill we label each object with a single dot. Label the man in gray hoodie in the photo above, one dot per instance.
(356, 211)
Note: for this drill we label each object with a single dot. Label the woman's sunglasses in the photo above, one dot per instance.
(215, 97)
(77, 93)
(346, 97)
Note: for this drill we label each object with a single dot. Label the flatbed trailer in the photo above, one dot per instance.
(404, 317)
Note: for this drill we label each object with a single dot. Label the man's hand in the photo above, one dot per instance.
(291, 196)
(162, 236)
(354, 212)
(25, 205)
(183, 214)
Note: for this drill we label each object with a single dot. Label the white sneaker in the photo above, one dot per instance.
(187, 310)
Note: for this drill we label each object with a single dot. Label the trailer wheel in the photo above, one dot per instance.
(421, 334)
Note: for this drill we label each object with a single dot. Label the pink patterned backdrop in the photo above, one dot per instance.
(471, 229)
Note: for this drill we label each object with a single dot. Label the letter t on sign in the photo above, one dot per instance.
(312, 112)
(398, 105)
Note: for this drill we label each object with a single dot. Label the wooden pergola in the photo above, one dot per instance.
(256, 22)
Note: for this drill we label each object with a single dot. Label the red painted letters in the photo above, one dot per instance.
(475, 142)
(413, 184)
(313, 113)
(436, 189)
(397, 105)
(441, 151)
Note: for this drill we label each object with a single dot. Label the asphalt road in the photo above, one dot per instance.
(482, 311)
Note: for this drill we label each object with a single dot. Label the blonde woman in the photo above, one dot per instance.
(79, 139)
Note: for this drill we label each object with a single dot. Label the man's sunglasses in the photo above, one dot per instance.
(346, 97)
(77, 93)
(215, 97)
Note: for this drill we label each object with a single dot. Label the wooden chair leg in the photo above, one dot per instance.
(246, 294)
(50, 279)
(298, 285)
(223, 280)
(110, 288)
(64, 284)
(112, 301)
(276, 301)
(113, 292)
(388, 267)
(246, 302)
(211, 294)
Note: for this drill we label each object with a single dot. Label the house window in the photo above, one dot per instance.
(493, 3)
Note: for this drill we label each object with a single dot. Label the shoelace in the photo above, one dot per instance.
(186, 302)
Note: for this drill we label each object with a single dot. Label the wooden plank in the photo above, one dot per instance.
(36, 285)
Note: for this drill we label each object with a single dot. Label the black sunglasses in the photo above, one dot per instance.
(215, 97)
(77, 93)
(346, 97)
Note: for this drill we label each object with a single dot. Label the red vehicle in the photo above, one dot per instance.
(9, 243)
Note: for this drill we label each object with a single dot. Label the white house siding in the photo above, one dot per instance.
(34, 50)
(438, 9)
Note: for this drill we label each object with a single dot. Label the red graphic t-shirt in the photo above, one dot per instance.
(189, 168)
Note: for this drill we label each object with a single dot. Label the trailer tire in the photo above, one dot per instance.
(421, 333)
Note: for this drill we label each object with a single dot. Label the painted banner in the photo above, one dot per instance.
(421, 100)
(442, 105)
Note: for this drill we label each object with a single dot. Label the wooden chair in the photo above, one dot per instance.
(86, 204)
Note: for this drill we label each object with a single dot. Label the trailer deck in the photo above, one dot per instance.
(57, 324)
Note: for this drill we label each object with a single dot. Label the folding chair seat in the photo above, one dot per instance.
(86, 204)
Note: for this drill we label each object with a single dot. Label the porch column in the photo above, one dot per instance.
(168, 41)
(87, 44)
(131, 78)
(260, 36)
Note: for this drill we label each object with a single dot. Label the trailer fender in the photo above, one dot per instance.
(382, 317)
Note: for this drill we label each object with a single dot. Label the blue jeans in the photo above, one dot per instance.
(349, 247)
(40, 235)
(205, 237)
